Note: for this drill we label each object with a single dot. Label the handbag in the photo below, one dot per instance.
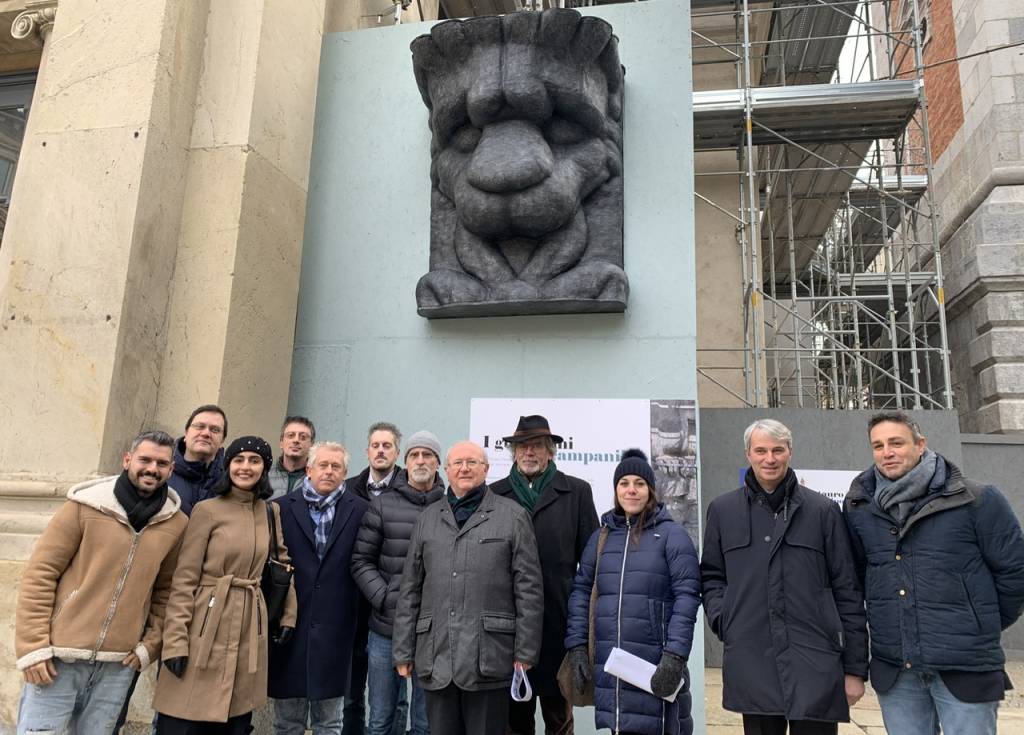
(277, 576)
(564, 676)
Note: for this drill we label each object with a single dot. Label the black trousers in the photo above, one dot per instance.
(167, 725)
(776, 725)
(454, 711)
(556, 712)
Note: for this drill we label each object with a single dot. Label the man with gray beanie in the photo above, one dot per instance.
(377, 563)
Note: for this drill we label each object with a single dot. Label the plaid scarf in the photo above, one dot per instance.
(321, 510)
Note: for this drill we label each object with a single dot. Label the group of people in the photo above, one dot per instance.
(457, 607)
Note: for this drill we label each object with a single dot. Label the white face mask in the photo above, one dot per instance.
(520, 681)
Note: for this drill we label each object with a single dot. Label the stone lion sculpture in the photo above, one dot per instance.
(526, 165)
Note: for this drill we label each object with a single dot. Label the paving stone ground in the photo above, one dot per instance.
(866, 717)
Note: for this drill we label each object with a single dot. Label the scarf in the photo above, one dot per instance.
(528, 493)
(464, 507)
(321, 511)
(898, 497)
(139, 509)
(777, 497)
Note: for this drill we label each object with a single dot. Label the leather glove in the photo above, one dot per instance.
(176, 665)
(284, 634)
(668, 674)
(581, 672)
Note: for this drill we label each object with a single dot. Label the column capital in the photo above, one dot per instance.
(36, 20)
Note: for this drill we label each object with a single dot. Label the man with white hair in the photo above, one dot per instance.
(310, 675)
(780, 590)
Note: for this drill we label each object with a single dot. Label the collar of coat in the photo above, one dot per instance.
(420, 497)
(559, 484)
(948, 489)
(196, 471)
(99, 495)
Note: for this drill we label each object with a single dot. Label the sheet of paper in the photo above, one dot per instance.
(634, 670)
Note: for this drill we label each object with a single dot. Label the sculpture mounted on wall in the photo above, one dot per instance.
(526, 165)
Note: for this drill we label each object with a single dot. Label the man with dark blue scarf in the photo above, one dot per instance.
(942, 562)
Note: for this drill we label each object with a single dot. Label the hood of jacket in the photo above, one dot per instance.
(99, 495)
(194, 471)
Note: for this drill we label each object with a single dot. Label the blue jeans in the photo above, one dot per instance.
(85, 698)
(324, 716)
(387, 694)
(919, 703)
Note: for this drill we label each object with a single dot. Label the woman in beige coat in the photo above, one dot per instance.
(215, 630)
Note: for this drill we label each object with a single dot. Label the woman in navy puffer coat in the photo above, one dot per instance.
(648, 591)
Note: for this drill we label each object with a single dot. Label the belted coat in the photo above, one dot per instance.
(781, 592)
(564, 519)
(216, 615)
(471, 601)
(316, 663)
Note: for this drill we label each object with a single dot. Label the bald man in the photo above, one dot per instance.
(470, 612)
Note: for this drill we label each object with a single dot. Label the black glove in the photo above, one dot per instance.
(581, 672)
(668, 674)
(284, 634)
(176, 665)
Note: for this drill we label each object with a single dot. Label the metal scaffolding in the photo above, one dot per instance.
(842, 281)
(841, 277)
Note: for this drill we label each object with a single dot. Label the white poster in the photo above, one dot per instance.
(595, 433)
(832, 484)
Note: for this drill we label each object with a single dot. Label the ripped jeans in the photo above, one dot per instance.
(85, 698)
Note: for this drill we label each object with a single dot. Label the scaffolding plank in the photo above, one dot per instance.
(809, 113)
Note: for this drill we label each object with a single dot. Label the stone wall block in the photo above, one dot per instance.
(285, 87)
(201, 299)
(1005, 416)
(1002, 381)
(998, 309)
(260, 328)
(223, 109)
(997, 345)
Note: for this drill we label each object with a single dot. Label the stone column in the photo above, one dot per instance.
(231, 321)
(979, 187)
(91, 233)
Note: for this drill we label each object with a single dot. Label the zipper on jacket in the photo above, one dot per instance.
(618, 618)
(63, 604)
(117, 596)
(206, 617)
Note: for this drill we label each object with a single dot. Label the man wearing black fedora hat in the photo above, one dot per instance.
(562, 509)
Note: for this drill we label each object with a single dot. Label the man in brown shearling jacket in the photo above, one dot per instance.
(91, 604)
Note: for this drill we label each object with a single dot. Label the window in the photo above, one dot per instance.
(15, 100)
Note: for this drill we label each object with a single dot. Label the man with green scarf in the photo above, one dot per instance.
(564, 518)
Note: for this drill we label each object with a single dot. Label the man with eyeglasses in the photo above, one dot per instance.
(198, 456)
(471, 603)
(297, 436)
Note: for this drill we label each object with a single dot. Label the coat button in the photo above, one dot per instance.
(898, 557)
(767, 539)
(894, 530)
(451, 613)
(903, 593)
(907, 665)
(455, 574)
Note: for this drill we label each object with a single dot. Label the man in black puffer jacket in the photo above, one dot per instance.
(377, 563)
(942, 560)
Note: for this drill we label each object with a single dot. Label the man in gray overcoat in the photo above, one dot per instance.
(471, 605)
